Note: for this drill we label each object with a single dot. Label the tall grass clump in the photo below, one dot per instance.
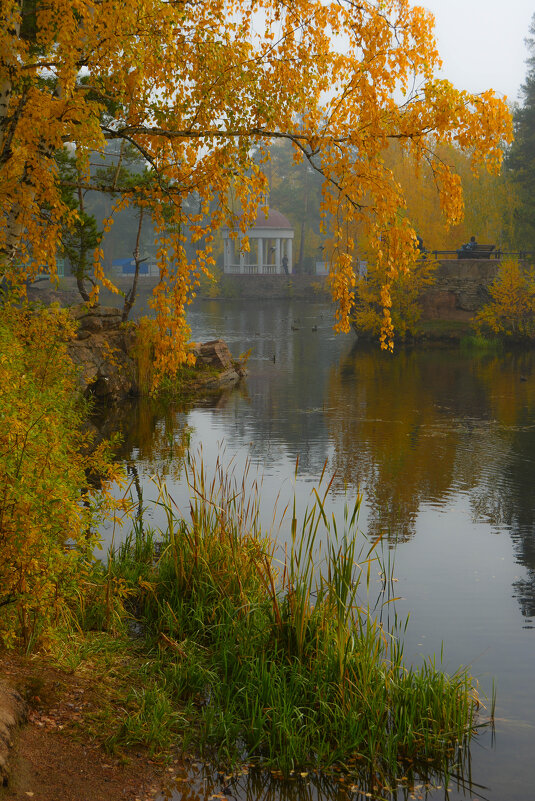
(274, 654)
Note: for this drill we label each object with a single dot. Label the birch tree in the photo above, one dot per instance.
(198, 88)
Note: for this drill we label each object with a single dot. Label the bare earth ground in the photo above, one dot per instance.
(53, 758)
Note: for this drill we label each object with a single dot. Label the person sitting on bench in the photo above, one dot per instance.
(468, 247)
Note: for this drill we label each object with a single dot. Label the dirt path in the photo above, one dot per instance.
(52, 759)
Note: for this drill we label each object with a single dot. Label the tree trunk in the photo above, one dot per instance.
(130, 297)
(303, 225)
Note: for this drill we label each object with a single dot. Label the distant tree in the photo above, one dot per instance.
(79, 234)
(521, 156)
(406, 290)
(489, 201)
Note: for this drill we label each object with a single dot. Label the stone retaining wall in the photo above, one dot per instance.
(460, 283)
(467, 279)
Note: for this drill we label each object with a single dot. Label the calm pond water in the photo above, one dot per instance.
(441, 443)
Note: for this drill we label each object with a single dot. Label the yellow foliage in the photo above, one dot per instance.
(199, 89)
(46, 505)
(146, 335)
(511, 310)
(404, 291)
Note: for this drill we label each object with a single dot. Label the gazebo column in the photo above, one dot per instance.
(289, 255)
(242, 259)
(278, 255)
(260, 254)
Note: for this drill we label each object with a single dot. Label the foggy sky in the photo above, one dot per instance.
(481, 42)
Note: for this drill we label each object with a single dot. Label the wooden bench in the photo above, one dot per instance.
(476, 252)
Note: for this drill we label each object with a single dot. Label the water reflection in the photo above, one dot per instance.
(425, 425)
(196, 781)
(392, 433)
(289, 364)
(442, 444)
(419, 428)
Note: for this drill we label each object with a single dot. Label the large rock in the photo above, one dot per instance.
(216, 354)
(213, 354)
(102, 352)
(12, 714)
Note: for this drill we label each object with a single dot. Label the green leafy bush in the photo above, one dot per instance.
(46, 506)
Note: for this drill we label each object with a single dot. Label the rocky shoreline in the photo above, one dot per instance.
(103, 352)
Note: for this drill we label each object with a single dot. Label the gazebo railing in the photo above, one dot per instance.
(254, 269)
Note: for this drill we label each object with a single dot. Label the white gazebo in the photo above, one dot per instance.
(270, 241)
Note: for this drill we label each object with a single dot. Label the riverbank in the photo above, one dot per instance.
(248, 287)
(56, 754)
(287, 663)
(433, 331)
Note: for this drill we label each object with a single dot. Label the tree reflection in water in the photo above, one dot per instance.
(423, 425)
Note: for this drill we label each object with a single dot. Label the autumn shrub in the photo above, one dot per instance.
(151, 381)
(510, 312)
(46, 505)
(405, 292)
(165, 383)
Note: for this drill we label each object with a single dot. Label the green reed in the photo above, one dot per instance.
(274, 655)
(478, 342)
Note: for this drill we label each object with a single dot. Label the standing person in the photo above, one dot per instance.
(285, 264)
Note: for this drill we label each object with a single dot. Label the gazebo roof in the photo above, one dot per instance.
(274, 220)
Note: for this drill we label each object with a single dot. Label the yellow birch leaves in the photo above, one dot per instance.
(198, 89)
